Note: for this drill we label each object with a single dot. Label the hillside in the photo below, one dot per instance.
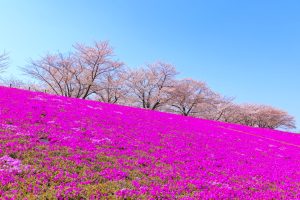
(57, 147)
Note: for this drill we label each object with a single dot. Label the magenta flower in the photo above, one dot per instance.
(65, 148)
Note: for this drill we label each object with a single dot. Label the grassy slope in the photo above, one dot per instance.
(57, 147)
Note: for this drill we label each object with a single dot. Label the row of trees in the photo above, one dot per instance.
(93, 72)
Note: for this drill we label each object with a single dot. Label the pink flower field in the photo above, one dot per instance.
(53, 147)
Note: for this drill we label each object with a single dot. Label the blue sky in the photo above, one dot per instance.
(246, 49)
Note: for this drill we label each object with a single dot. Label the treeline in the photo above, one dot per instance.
(92, 72)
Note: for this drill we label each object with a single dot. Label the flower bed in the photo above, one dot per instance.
(66, 148)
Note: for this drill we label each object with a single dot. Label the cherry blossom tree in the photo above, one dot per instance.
(220, 108)
(188, 96)
(263, 116)
(75, 74)
(273, 118)
(246, 114)
(111, 87)
(148, 87)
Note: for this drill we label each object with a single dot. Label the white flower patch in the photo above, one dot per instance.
(257, 149)
(282, 148)
(100, 141)
(75, 129)
(238, 153)
(38, 98)
(95, 108)
(59, 100)
(27, 133)
(222, 185)
(12, 165)
(66, 137)
(9, 127)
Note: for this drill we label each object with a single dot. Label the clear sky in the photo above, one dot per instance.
(246, 49)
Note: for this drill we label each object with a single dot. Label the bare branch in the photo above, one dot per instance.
(3, 62)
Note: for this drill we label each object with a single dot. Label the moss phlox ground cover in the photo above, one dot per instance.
(65, 148)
